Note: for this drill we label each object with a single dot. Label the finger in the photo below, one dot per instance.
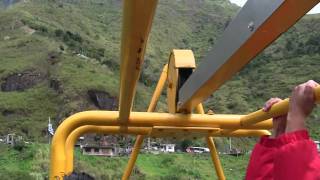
(267, 105)
(309, 92)
(312, 83)
(270, 103)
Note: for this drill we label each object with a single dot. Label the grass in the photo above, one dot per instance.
(93, 29)
(32, 162)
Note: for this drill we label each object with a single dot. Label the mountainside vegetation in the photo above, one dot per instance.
(61, 57)
(32, 163)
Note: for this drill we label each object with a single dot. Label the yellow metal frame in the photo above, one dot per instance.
(137, 21)
(157, 125)
(178, 59)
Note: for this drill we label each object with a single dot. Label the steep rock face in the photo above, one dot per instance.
(103, 100)
(22, 81)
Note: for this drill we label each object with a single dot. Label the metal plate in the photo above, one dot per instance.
(246, 23)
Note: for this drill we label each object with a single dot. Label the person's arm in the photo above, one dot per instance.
(297, 156)
(262, 157)
(262, 160)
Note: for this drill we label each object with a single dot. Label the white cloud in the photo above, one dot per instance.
(315, 10)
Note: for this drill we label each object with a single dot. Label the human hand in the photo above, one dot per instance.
(279, 123)
(301, 104)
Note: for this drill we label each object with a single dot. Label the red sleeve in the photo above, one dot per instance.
(261, 160)
(297, 157)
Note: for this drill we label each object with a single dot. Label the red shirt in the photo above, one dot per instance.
(291, 156)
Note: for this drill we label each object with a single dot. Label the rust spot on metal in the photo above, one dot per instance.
(139, 50)
(138, 63)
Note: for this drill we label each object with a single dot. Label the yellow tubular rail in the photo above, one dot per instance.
(146, 119)
(110, 118)
(278, 109)
(133, 157)
(157, 92)
(215, 158)
(73, 137)
(136, 25)
(213, 150)
(152, 106)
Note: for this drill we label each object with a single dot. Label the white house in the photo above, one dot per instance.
(167, 147)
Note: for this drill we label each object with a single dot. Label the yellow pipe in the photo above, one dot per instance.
(215, 158)
(278, 109)
(133, 157)
(136, 26)
(110, 118)
(213, 150)
(189, 132)
(152, 106)
(199, 109)
(158, 90)
(242, 133)
(73, 137)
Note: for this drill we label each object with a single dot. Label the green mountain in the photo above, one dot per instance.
(61, 57)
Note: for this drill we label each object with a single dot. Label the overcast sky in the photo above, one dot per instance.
(315, 10)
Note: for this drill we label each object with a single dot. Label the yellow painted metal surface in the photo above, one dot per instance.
(278, 109)
(213, 150)
(110, 118)
(215, 158)
(136, 26)
(159, 88)
(172, 85)
(133, 157)
(199, 109)
(152, 106)
(184, 58)
(196, 132)
(283, 18)
(177, 59)
(317, 94)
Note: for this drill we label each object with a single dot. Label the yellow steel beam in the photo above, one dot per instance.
(110, 118)
(243, 133)
(157, 92)
(278, 109)
(136, 26)
(141, 132)
(199, 132)
(213, 150)
(133, 157)
(199, 109)
(178, 59)
(200, 86)
(152, 106)
(73, 137)
(215, 158)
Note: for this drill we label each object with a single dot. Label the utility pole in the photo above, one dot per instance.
(230, 145)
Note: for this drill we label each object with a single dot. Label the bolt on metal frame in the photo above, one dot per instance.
(264, 21)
